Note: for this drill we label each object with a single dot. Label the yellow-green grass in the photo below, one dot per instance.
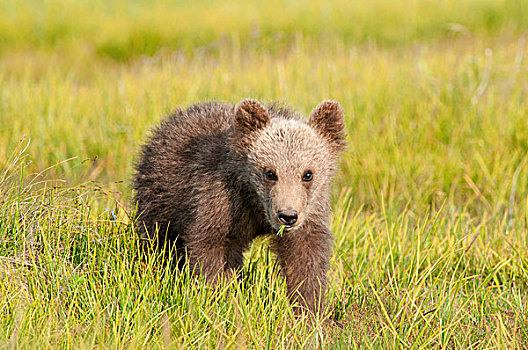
(431, 202)
(123, 30)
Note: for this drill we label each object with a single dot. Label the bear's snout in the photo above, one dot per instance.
(288, 217)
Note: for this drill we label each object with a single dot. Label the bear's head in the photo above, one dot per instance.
(290, 161)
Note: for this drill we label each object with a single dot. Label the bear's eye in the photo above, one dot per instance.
(308, 176)
(270, 175)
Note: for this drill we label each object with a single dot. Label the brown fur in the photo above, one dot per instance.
(201, 183)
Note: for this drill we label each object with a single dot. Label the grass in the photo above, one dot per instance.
(430, 205)
(281, 230)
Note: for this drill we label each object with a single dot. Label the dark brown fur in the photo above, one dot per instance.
(200, 183)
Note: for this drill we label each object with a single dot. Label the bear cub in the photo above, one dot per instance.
(214, 176)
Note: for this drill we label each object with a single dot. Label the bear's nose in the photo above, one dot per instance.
(288, 217)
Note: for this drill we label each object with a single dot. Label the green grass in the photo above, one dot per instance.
(430, 205)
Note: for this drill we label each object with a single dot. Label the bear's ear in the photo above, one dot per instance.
(250, 116)
(328, 119)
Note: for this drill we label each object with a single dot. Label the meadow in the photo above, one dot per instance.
(430, 203)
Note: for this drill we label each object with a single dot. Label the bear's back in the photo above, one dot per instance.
(187, 147)
(201, 120)
(186, 136)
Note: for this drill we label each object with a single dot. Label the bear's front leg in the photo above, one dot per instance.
(209, 261)
(213, 257)
(304, 256)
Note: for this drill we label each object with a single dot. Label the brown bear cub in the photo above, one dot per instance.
(214, 176)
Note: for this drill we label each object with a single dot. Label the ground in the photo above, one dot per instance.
(430, 205)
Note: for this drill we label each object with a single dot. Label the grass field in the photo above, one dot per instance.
(430, 205)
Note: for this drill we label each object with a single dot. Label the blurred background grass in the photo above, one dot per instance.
(431, 203)
(125, 30)
(434, 90)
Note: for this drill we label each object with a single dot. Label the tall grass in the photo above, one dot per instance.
(430, 205)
